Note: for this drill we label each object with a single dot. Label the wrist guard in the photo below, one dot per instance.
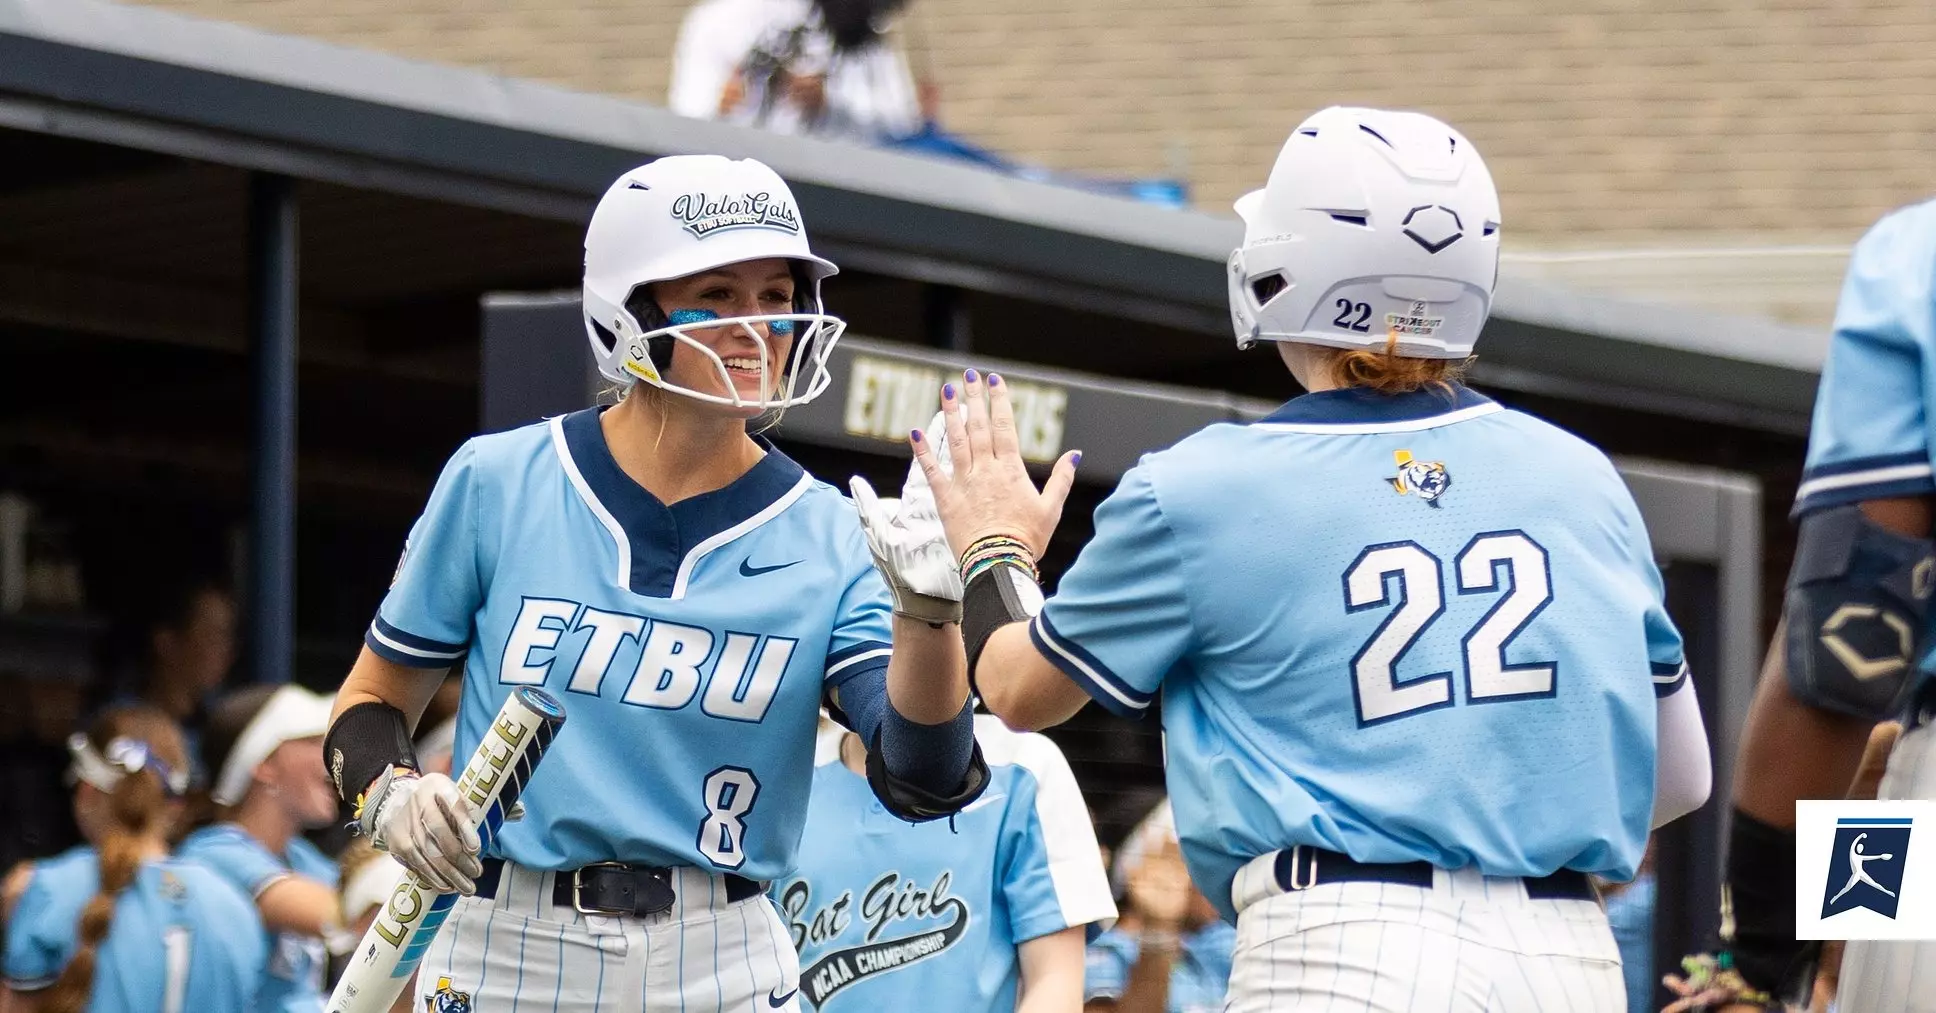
(993, 598)
(1758, 909)
(367, 742)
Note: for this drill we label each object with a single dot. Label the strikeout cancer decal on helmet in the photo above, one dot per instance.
(1375, 227)
(681, 215)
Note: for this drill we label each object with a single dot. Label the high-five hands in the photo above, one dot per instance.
(988, 492)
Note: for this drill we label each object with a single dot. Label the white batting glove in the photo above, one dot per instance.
(425, 824)
(910, 548)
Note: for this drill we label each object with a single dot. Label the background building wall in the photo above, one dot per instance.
(1716, 152)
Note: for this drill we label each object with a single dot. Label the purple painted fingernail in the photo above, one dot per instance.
(973, 376)
(915, 435)
(1076, 458)
(994, 380)
(948, 391)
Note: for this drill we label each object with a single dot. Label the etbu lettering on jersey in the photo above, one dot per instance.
(674, 661)
(692, 643)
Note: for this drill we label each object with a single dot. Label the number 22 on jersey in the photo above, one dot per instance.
(1408, 579)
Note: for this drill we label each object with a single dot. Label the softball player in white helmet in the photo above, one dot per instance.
(691, 595)
(1413, 685)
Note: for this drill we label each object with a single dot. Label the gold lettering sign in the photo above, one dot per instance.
(887, 397)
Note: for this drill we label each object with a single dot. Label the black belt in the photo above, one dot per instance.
(615, 888)
(1302, 868)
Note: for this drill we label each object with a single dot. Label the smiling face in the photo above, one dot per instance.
(751, 288)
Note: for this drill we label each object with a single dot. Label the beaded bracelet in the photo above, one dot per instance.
(984, 565)
(994, 550)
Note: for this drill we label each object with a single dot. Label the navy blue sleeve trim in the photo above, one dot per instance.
(1886, 476)
(1668, 679)
(866, 656)
(404, 648)
(1087, 671)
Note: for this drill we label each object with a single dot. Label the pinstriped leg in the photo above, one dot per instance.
(1888, 977)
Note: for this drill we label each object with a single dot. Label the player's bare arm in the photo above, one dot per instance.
(927, 678)
(298, 904)
(375, 679)
(1051, 978)
(1021, 686)
(18, 1002)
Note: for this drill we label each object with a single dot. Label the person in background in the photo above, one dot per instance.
(821, 67)
(187, 645)
(266, 747)
(117, 925)
(1630, 910)
(984, 914)
(1169, 953)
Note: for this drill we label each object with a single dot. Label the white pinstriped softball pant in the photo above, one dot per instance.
(1468, 944)
(521, 953)
(1887, 976)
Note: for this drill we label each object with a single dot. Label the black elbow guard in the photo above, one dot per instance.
(1855, 607)
(365, 742)
(916, 804)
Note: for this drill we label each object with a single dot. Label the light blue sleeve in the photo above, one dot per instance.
(308, 860)
(1664, 651)
(1870, 438)
(1105, 966)
(40, 935)
(1120, 619)
(425, 620)
(1666, 656)
(863, 632)
(1050, 868)
(234, 857)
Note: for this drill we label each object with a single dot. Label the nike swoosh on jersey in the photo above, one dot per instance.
(982, 801)
(747, 569)
(777, 1001)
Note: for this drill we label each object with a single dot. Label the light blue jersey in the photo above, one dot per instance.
(1409, 627)
(183, 940)
(691, 645)
(888, 915)
(1199, 977)
(1871, 437)
(293, 976)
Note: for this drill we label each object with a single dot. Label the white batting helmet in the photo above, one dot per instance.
(678, 216)
(1374, 224)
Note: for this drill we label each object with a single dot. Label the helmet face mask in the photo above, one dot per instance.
(646, 356)
(1376, 228)
(681, 216)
